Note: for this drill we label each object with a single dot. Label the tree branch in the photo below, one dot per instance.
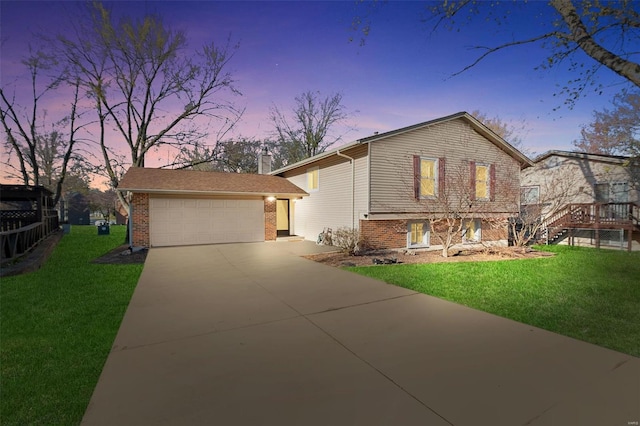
(490, 50)
(579, 35)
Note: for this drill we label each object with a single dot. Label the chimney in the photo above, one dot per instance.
(264, 162)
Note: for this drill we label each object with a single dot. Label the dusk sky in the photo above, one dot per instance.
(399, 77)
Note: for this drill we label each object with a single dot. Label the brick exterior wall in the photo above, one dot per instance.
(383, 234)
(140, 204)
(495, 232)
(270, 224)
(392, 234)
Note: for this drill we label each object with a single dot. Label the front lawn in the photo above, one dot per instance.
(591, 295)
(57, 327)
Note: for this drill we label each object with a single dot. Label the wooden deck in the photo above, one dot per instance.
(596, 216)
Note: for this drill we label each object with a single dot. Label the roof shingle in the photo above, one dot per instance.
(140, 179)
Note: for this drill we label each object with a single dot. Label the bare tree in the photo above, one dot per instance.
(233, 155)
(76, 181)
(466, 184)
(510, 132)
(135, 72)
(457, 202)
(614, 131)
(198, 157)
(40, 154)
(541, 201)
(103, 202)
(546, 190)
(238, 156)
(607, 32)
(451, 208)
(308, 131)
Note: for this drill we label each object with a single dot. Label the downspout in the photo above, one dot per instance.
(353, 186)
(130, 225)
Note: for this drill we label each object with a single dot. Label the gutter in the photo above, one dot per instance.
(215, 193)
(353, 186)
(316, 157)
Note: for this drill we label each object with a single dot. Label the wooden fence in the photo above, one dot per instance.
(20, 240)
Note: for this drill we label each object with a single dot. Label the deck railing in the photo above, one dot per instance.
(20, 240)
(596, 214)
(14, 219)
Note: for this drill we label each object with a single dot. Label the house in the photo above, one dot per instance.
(585, 199)
(76, 209)
(184, 207)
(391, 185)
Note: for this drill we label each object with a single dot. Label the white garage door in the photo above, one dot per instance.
(184, 221)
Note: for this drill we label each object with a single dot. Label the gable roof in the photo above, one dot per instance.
(168, 181)
(475, 124)
(605, 158)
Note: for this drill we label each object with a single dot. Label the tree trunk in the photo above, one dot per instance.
(580, 35)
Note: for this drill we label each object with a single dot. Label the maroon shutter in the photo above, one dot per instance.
(472, 180)
(441, 177)
(492, 182)
(416, 177)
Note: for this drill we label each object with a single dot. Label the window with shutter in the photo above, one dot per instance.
(426, 175)
(482, 182)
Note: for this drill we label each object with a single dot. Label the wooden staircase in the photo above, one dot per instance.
(595, 216)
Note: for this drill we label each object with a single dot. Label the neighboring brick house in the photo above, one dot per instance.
(185, 207)
(390, 185)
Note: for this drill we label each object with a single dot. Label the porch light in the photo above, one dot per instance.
(271, 198)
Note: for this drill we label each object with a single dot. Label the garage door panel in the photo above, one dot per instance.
(205, 221)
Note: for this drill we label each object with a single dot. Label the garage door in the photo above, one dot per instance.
(184, 221)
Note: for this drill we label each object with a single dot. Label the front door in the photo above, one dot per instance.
(282, 217)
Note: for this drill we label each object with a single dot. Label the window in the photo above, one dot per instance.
(482, 182)
(428, 176)
(472, 231)
(312, 179)
(529, 195)
(483, 177)
(619, 192)
(417, 234)
(601, 191)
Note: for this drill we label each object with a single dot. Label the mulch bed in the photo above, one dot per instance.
(382, 257)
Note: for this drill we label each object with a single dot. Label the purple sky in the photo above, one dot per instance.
(400, 77)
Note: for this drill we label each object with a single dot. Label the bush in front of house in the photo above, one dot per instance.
(350, 241)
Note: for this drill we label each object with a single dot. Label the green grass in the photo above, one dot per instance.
(57, 327)
(591, 295)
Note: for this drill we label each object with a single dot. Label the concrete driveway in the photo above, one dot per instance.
(254, 334)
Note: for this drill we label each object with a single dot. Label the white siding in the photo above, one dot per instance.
(331, 206)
